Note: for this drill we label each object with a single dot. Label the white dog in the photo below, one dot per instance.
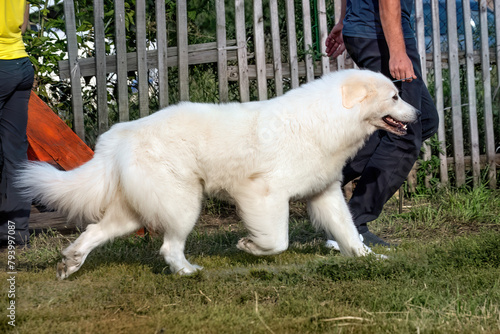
(155, 171)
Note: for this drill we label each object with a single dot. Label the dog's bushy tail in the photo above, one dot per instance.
(82, 193)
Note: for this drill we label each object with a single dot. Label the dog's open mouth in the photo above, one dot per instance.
(395, 126)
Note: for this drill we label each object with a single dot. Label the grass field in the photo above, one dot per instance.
(443, 278)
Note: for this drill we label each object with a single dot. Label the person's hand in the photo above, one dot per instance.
(401, 67)
(334, 42)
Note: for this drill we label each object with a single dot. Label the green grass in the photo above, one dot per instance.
(443, 278)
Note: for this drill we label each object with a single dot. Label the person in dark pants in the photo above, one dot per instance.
(16, 81)
(378, 36)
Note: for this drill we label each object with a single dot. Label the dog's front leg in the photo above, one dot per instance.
(328, 211)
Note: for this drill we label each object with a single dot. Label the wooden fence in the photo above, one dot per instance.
(461, 66)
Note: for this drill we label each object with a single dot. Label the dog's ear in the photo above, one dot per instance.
(353, 92)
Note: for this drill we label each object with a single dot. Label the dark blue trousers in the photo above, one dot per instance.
(16, 81)
(385, 161)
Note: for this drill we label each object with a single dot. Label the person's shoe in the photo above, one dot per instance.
(371, 240)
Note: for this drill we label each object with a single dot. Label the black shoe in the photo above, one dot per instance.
(371, 239)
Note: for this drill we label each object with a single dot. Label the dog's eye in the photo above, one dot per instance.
(395, 97)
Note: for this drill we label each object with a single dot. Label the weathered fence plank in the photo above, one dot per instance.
(420, 33)
(242, 50)
(74, 70)
(471, 92)
(276, 45)
(497, 48)
(182, 46)
(252, 71)
(162, 47)
(121, 61)
(456, 102)
(308, 42)
(260, 49)
(323, 34)
(438, 91)
(221, 50)
(292, 43)
(197, 54)
(488, 108)
(142, 59)
(100, 64)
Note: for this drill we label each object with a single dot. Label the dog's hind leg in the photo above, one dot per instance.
(117, 221)
(178, 219)
(173, 252)
(265, 215)
(330, 212)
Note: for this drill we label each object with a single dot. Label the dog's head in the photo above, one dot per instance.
(379, 101)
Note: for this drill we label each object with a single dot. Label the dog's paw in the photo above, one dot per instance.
(67, 267)
(246, 245)
(250, 246)
(188, 270)
(62, 270)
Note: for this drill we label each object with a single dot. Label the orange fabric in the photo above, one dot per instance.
(51, 140)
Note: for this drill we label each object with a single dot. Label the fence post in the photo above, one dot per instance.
(260, 49)
(100, 65)
(471, 92)
(292, 43)
(308, 44)
(420, 32)
(222, 51)
(182, 50)
(488, 109)
(438, 82)
(323, 33)
(162, 46)
(142, 58)
(456, 101)
(276, 41)
(121, 61)
(74, 69)
(239, 8)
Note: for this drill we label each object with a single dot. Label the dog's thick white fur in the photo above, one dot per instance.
(155, 171)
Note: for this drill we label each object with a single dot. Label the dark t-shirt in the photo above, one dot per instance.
(362, 19)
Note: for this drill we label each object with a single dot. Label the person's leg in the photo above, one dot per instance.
(14, 210)
(384, 163)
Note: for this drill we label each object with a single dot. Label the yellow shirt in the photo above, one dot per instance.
(11, 20)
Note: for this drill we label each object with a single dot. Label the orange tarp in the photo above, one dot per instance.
(51, 140)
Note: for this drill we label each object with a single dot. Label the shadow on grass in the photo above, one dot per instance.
(202, 243)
